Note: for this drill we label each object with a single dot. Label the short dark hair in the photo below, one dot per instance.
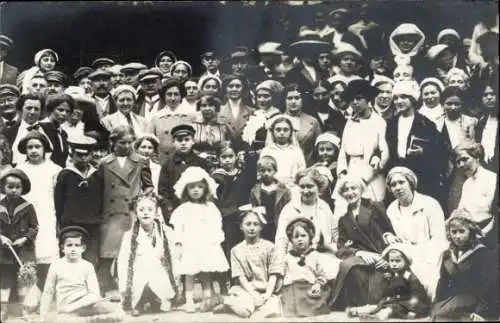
(452, 91)
(210, 99)
(55, 100)
(28, 96)
(72, 234)
(172, 82)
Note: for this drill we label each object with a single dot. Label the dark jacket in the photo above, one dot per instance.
(18, 220)
(59, 153)
(232, 192)
(10, 133)
(494, 164)
(365, 232)
(283, 196)
(9, 74)
(335, 123)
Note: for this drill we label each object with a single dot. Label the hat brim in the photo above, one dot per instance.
(19, 174)
(22, 144)
(309, 47)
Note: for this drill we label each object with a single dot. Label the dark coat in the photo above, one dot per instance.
(9, 74)
(283, 196)
(59, 154)
(494, 164)
(18, 220)
(430, 167)
(335, 122)
(232, 191)
(10, 133)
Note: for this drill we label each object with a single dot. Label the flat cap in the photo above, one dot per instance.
(99, 72)
(56, 76)
(102, 61)
(82, 72)
(6, 41)
(152, 73)
(9, 89)
(182, 130)
(133, 67)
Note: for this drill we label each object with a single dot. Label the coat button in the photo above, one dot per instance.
(112, 200)
(112, 184)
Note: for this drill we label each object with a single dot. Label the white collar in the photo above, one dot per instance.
(90, 171)
(153, 99)
(466, 254)
(417, 205)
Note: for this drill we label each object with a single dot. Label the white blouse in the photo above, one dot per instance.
(404, 128)
(478, 193)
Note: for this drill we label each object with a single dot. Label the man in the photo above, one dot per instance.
(239, 61)
(56, 82)
(9, 116)
(338, 29)
(116, 75)
(8, 73)
(102, 63)
(329, 119)
(131, 73)
(325, 62)
(81, 77)
(211, 63)
(270, 58)
(148, 102)
(38, 85)
(101, 86)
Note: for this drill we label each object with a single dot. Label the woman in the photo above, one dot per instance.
(418, 221)
(442, 61)
(383, 101)
(487, 126)
(361, 228)
(403, 72)
(188, 103)
(169, 116)
(125, 98)
(457, 77)
(311, 206)
(235, 110)
(211, 130)
(30, 107)
(181, 70)
(146, 145)
(281, 143)
(308, 127)
(406, 44)
(336, 102)
(255, 131)
(479, 191)
(45, 60)
(363, 149)
(210, 84)
(164, 61)
(348, 59)
(431, 89)
(414, 141)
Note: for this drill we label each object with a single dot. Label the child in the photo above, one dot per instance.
(176, 163)
(42, 173)
(305, 282)
(251, 265)
(198, 234)
(145, 264)
(404, 297)
(269, 193)
(19, 234)
(78, 194)
(73, 282)
(327, 152)
(467, 288)
(100, 150)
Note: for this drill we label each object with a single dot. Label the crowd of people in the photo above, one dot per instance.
(354, 169)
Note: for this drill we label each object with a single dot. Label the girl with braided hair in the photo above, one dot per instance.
(146, 258)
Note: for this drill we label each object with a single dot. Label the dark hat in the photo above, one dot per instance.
(309, 225)
(19, 174)
(9, 89)
(182, 130)
(137, 67)
(99, 72)
(359, 87)
(209, 54)
(165, 53)
(82, 72)
(73, 229)
(82, 144)
(6, 41)
(310, 45)
(152, 73)
(56, 76)
(101, 139)
(102, 61)
(34, 134)
(240, 52)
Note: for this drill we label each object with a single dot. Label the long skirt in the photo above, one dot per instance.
(458, 307)
(296, 303)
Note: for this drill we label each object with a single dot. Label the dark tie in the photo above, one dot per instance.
(129, 120)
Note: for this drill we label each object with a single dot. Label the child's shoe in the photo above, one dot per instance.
(351, 311)
(209, 303)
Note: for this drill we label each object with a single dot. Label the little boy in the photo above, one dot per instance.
(176, 163)
(18, 229)
(251, 267)
(78, 194)
(269, 193)
(74, 282)
(100, 149)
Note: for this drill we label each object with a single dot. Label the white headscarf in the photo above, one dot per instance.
(295, 127)
(405, 29)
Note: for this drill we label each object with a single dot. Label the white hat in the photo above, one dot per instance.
(410, 88)
(435, 50)
(195, 174)
(328, 137)
(123, 88)
(270, 48)
(432, 80)
(447, 31)
(381, 79)
(39, 55)
(346, 48)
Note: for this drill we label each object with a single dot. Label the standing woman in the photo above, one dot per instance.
(364, 150)
(308, 126)
(146, 145)
(181, 71)
(414, 141)
(188, 103)
(164, 61)
(123, 175)
(235, 109)
(210, 84)
(431, 89)
(45, 60)
(487, 127)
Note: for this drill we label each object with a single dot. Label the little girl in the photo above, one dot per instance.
(145, 259)
(198, 235)
(404, 297)
(305, 282)
(467, 288)
(327, 152)
(42, 173)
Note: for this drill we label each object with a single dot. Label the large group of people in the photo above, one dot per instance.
(354, 169)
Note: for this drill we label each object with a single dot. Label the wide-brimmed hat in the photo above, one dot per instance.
(310, 45)
(435, 51)
(270, 48)
(359, 87)
(346, 48)
(34, 134)
(19, 174)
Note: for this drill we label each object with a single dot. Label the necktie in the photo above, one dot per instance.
(59, 137)
(129, 120)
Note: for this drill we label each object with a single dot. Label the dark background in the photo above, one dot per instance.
(125, 31)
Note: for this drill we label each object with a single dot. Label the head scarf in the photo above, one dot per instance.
(270, 123)
(328, 137)
(405, 29)
(409, 88)
(406, 172)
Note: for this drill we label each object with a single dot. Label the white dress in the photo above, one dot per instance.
(43, 178)
(198, 228)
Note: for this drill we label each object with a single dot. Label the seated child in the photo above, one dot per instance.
(467, 288)
(269, 193)
(251, 264)
(404, 297)
(145, 270)
(327, 147)
(73, 282)
(305, 289)
(18, 229)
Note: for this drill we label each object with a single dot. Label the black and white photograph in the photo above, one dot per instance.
(249, 161)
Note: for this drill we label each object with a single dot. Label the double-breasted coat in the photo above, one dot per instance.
(120, 185)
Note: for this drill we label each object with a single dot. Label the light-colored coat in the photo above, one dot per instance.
(118, 119)
(238, 123)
